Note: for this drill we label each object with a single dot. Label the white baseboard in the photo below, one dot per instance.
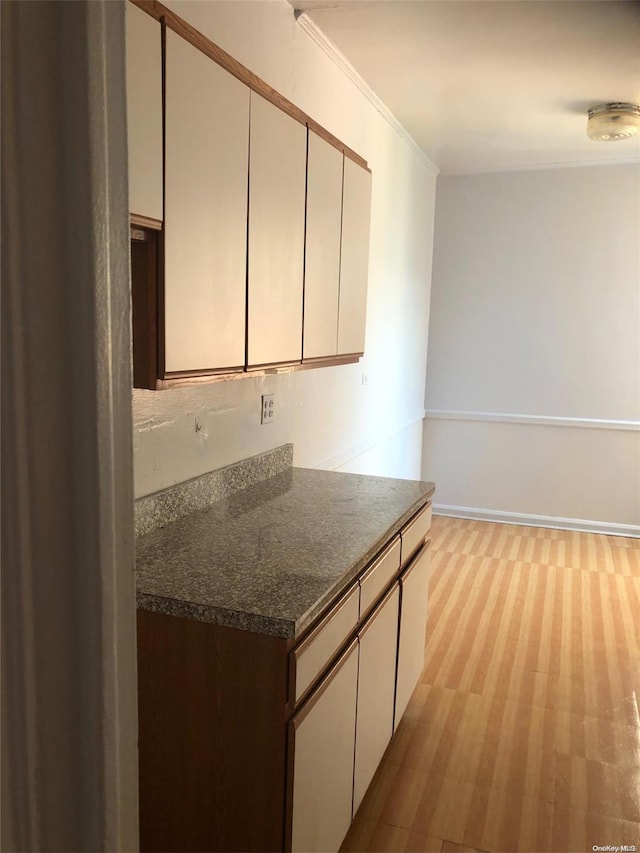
(607, 528)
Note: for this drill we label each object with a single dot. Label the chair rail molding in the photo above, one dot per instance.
(537, 420)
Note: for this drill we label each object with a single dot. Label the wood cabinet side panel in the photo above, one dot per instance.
(354, 263)
(212, 736)
(277, 171)
(144, 113)
(206, 174)
(322, 248)
(145, 255)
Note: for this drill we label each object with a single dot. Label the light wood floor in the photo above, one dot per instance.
(524, 734)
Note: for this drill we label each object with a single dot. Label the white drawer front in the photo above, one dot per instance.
(415, 533)
(310, 657)
(378, 575)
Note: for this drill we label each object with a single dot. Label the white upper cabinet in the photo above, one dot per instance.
(276, 234)
(206, 174)
(262, 219)
(322, 248)
(144, 112)
(356, 211)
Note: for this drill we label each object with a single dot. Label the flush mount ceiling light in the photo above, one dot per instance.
(608, 122)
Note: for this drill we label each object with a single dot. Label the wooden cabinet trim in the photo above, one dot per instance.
(195, 374)
(272, 365)
(145, 222)
(217, 54)
(179, 380)
(330, 360)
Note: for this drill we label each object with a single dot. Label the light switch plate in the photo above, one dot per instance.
(268, 409)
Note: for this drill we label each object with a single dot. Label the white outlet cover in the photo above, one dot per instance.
(268, 409)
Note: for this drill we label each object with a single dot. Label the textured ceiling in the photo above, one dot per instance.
(493, 84)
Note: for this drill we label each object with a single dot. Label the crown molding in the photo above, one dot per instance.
(574, 164)
(349, 71)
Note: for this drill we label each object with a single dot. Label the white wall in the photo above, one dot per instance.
(535, 311)
(333, 419)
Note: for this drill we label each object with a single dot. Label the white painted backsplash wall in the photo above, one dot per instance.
(533, 380)
(366, 417)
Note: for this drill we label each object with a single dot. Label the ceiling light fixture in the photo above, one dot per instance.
(608, 122)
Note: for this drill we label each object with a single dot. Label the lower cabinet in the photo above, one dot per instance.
(414, 589)
(340, 734)
(376, 690)
(322, 739)
(250, 742)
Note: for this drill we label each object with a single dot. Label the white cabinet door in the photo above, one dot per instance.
(276, 234)
(323, 739)
(322, 248)
(354, 263)
(144, 112)
(376, 689)
(413, 623)
(206, 174)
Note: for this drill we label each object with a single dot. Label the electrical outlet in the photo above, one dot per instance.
(268, 409)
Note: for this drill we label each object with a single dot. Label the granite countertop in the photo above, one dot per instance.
(270, 557)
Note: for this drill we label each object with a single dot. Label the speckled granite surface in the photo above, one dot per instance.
(268, 558)
(183, 499)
